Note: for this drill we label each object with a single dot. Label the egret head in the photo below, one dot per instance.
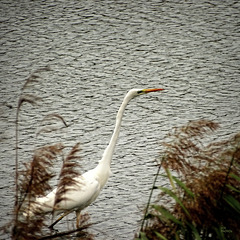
(137, 92)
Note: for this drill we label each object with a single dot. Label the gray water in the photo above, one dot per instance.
(97, 50)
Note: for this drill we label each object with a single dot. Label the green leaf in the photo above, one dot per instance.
(160, 236)
(174, 196)
(184, 187)
(166, 214)
(219, 233)
(170, 177)
(235, 176)
(233, 188)
(233, 202)
(195, 231)
(142, 236)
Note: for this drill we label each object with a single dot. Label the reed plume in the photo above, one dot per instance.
(67, 175)
(34, 181)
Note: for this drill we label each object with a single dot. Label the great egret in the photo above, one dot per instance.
(88, 185)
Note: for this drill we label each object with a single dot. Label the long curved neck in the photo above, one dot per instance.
(108, 153)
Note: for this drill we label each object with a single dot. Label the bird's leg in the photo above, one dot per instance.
(78, 214)
(60, 218)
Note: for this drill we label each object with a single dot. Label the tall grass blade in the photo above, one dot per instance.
(160, 236)
(233, 188)
(235, 176)
(166, 215)
(150, 196)
(174, 196)
(142, 236)
(183, 186)
(195, 231)
(233, 202)
(170, 177)
(220, 234)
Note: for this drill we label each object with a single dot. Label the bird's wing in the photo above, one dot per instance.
(82, 194)
(77, 196)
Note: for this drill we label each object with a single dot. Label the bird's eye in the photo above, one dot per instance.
(139, 92)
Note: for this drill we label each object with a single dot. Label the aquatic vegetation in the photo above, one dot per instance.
(202, 200)
(33, 179)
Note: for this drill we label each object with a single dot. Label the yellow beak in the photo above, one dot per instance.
(152, 90)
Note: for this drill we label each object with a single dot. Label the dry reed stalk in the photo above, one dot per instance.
(24, 98)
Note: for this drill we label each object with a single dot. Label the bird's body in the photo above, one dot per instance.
(88, 185)
(77, 196)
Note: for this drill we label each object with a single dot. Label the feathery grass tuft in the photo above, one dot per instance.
(24, 98)
(34, 181)
(68, 174)
(186, 152)
(35, 178)
(50, 128)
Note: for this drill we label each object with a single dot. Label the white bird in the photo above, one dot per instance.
(88, 185)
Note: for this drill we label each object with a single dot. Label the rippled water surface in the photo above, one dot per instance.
(97, 50)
